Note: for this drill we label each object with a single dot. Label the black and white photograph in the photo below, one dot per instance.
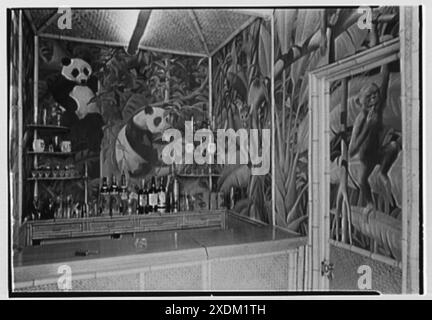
(199, 150)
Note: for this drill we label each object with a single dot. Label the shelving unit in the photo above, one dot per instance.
(51, 154)
(52, 130)
(183, 175)
(56, 178)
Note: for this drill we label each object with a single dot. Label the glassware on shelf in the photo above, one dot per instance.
(47, 172)
(69, 207)
(38, 145)
(65, 146)
(56, 144)
(44, 116)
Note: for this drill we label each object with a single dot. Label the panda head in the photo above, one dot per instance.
(76, 70)
(154, 119)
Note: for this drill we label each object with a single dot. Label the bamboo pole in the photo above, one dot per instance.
(29, 18)
(324, 225)
(410, 106)
(36, 80)
(36, 101)
(367, 253)
(20, 118)
(272, 89)
(167, 80)
(379, 51)
(177, 52)
(343, 206)
(210, 84)
(313, 156)
(82, 40)
(119, 44)
(210, 111)
(284, 105)
(363, 67)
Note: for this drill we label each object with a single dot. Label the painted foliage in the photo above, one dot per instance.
(305, 40)
(127, 85)
(241, 95)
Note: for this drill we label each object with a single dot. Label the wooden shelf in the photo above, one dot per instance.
(55, 178)
(51, 128)
(49, 154)
(181, 175)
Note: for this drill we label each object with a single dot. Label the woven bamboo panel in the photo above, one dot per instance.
(175, 278)
(259, 272)
(172, 30)
(106, 25)
(266, 272)
(128, 282)
(385, 278)
(218, 25)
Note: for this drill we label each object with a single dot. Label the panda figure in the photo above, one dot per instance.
(73, 90)
(136, 151)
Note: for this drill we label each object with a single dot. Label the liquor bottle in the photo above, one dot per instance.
(168, 192)
(84, 210)
(153, 196)
(175, 193)
(104, 205)
(213, 194)
(161, 197)
(132, 200)
(142, 198)
(69, 206)
(232, 198)
(147, 208)
(36, 204)
(58, 208)
(114, 197)
(123, 195)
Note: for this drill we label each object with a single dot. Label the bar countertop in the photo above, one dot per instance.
(240, 237)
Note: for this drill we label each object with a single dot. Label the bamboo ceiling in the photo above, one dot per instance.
(199, 32)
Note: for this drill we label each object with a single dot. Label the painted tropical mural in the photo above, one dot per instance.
(241, 86)
(305, 40)
(127, 85)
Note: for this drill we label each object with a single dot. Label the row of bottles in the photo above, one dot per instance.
(161, 197)
(156, 195)
(56, 207)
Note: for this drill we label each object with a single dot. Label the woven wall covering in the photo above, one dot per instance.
(172, 29)
(218, 25)
(385, 278)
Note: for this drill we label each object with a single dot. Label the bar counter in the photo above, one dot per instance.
(245, 255)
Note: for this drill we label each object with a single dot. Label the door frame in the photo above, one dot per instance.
(319, 151)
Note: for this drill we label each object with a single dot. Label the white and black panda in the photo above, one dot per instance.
(135, 150)
(74, 90)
